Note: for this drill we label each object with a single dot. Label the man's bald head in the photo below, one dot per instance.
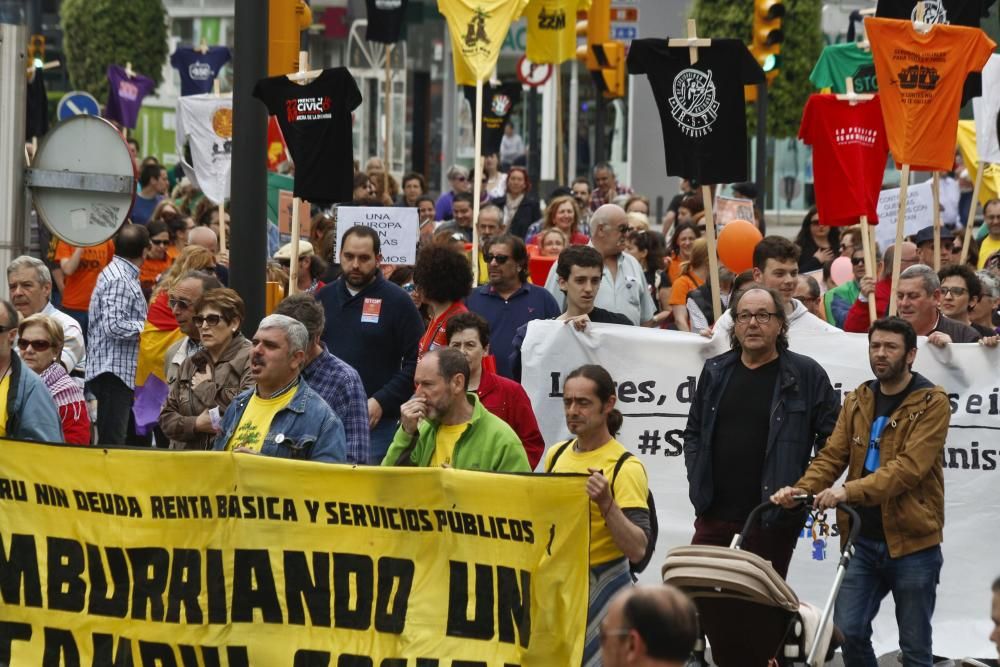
(649, 625)
(608, 225)
(908, 258)
(205, 237)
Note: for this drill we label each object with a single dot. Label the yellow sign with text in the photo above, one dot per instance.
(205, 558)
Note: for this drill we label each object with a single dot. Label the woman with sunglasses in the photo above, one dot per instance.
(159, 257)
(208, 381)
(40, 342)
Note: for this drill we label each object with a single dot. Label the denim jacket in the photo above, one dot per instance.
(31, 412)
(305, 429)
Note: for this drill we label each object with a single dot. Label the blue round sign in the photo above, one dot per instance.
(77, 103)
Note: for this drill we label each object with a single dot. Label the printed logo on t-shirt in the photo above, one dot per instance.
(934, 12)
(308, 108)
(388, 5)
(501, 105)
(554, 21)
(128, 91)
(693, 104)
(370, 310)
(918, 78)
(200, 71)
(861, 136)
(476, 31)
(865, 80)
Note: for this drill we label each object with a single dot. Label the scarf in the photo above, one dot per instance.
(65, 391)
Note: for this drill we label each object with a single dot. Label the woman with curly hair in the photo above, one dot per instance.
(443, 277)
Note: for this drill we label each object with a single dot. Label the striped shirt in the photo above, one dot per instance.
(117, 316)
(341, 387)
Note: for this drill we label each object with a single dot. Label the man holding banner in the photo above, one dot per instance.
(897, 482)
(759, 413)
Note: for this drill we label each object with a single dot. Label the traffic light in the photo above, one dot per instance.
(285, 20)
(610, 78)
(768, 35)
(598, 29)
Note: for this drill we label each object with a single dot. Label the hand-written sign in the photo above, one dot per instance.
(919, 212)
(397, 229)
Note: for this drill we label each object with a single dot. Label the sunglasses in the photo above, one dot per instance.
(37, 345)
(459, 178)
(211, 320)
(500, 259)
(179, 304)
(624, 229)
(160, 241)
(857, 261)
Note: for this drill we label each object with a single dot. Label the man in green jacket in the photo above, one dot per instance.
(444, 424)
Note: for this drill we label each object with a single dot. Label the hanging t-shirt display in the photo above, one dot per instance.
(702, 108)
(315, 120)
(849, 152)
(552, 30)
(986, 111)
(920, 83)
(205, 123)
(478, 29)
(385, 20)
(36, 119)
(838, 62)
(498, 103)
(198, 70)
(125, 94)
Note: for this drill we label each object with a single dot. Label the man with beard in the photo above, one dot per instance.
(889, 438)
(444, 424)
(372, 325)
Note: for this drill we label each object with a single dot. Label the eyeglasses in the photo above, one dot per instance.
(954, 291)
(160, 241)
(762, 317)
(500, 259)
(605, 634)
(857, 261)
(37, 345)
(624, 229)
(210, 320)
(179, 304)
(459, 178)
(955, 249)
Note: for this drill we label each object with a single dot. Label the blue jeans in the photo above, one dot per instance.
(873, 573)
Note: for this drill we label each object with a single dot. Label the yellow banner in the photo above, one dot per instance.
(552, 30)
(478, 28)
(990, 189)
(202, 558)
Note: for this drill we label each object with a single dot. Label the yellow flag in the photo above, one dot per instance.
(552, 30)
(970, 156)
(478, 28)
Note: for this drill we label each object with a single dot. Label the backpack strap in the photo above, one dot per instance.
(618, 466)
(560, 448)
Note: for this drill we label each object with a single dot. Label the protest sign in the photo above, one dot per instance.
(211, 558)
(728, 209)
(398, 228)
(919, 212)
(656, 373)
(285, 201)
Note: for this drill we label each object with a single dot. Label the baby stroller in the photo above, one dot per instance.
(747, 611)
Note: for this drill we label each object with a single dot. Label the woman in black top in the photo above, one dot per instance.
(819, 243)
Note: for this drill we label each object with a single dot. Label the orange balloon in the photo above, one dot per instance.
(736, 243)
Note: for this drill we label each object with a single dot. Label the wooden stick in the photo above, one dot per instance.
(972, 211)
(897, 253)
(293, 268)
(936, 195)
(477, 183)
(388, 117)
(866, 244)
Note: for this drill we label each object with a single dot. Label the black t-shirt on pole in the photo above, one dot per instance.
(739, 442)
(702, 107)
(315, 119)
(385, 20)
(498, 103)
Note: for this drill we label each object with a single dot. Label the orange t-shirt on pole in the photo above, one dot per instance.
(920, 79)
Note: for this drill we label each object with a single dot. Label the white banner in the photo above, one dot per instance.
(919, 212)
(656, 372)
(397, 228)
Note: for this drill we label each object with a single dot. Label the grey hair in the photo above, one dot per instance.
(926, 274)
(457, 170)
(294, 330)
(26, 262)
(492, 208)
(603, 166)
(811, 284)
(12, 316)
(991, 284)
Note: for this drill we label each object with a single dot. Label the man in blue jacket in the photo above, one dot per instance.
(282, 416)
(372, 325)
(759, 413)
(27, 411)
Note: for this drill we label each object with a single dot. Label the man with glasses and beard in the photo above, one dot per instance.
(890, 439)
(759, 413)
(372, 325)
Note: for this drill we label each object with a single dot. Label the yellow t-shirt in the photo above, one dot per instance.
(4, 388)
(477, 29)
(444, 447)
(986, 248)
(256, 421)
(629, 490)
(552, 29)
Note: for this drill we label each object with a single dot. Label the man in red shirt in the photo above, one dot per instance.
(470, 334)
(857, 320)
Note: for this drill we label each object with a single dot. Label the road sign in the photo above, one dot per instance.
(532, 74)
(82, 180)
(624, 22)
(76, 103)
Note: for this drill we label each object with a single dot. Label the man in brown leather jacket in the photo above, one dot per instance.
(889, 437)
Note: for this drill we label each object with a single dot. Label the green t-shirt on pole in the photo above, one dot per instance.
(839, 61)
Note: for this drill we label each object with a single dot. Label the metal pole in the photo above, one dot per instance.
(574, 119)
(760, 171)
(599, 139)
(534, 139)
(249, 176)
(448, 115)
(13, 39)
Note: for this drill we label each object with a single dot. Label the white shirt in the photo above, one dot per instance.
(74, 354)
(626, 293)
(800, 321)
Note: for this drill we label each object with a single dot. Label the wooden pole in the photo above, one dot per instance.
(477, 182)
(936, 196)
(293, 268)
(560, 166)
(897, 253)
(866, 244)
(388, 116)
(981, 167)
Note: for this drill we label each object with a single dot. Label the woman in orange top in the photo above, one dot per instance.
(158, 259)
(685, 234)
(694, 273)
(81, 266)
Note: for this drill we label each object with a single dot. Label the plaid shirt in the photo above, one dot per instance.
(597, 199)
(117, 316)
(340, 386)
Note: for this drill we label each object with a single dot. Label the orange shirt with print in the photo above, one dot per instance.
(80, 284)
(920, 80)
(154, 268)
(685, 283)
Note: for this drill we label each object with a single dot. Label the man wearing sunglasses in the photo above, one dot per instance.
(837, 302)
(27, 411)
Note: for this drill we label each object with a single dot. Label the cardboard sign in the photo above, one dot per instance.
(285, 214)
(919, 212)
(727, 209)
(397, 227)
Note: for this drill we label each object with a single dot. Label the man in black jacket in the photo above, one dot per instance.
(759, 413)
